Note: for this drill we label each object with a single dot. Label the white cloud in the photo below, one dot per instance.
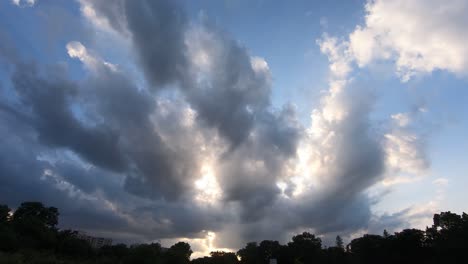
(441, 182)
(420, 35)
(90, 14)
(402, 119)
(77, 50)
(405, 152)
(390, 181)
(28, 3)
(405, 147)
(338, 55)
(259, 65)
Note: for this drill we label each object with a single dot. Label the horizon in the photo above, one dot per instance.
(219, 123)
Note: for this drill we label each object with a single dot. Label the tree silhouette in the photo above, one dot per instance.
(69, 244)
(386, 234)
(4, 214)
(35, 225)
(8, 238)
(305, 247)
(37, 213)
(144, 254)
(30, 235)
(250, 254)
(339, 242)
(179, 253)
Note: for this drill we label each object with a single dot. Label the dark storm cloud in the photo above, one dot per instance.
(7, 51)
(233, 97)
(157, 29)
(54, 112)
(233, 93)
(49, 100)
(140, 153)
(123, 138)
(22, 178)
(30, 170)
(156, 170)
(249, 173)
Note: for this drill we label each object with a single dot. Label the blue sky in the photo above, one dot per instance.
(231, 113)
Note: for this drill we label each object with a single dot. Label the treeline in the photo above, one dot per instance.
(30, 235)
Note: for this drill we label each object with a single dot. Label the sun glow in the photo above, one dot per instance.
(208, 190)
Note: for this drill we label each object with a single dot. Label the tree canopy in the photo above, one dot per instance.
(29, 234)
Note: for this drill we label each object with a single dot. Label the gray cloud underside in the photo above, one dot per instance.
(132, 161)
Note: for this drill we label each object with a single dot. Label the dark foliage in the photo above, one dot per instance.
(29, 235)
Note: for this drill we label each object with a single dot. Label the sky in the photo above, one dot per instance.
(224, 122)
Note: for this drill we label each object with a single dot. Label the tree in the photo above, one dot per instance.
(410, 238)
(250, 254)
(447, 220)
(115, 251)
(8, 238)
(368, 248)
(386, 234)
(268, 249)
(35, 225)
(144, 254)
(221, 257)
(4, 214)
(339, 242)
(69, 244)
(36, 212)
(449, 231)
(179, 253)
(306, 247)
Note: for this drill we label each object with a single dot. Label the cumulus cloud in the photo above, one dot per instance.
(405, 146)
(49, 100)
(199, 138)
(337, 173)
(59, 164)
(405, 152)
(421, 36)
(229, 91)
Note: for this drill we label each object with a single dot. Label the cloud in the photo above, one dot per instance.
(416, 34)
(402, 119)
(405, 146)
(27, 177)
(228, 90)
(197, 150)
(174, 54)
(54, 121)
(89, 193)
(161, 163)
(405, 152)
(442, 182)
(23, 3)
(145, 152)
(156, 152)
(337, 174)
(156, 28)
(76, 50)
(90, 9)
